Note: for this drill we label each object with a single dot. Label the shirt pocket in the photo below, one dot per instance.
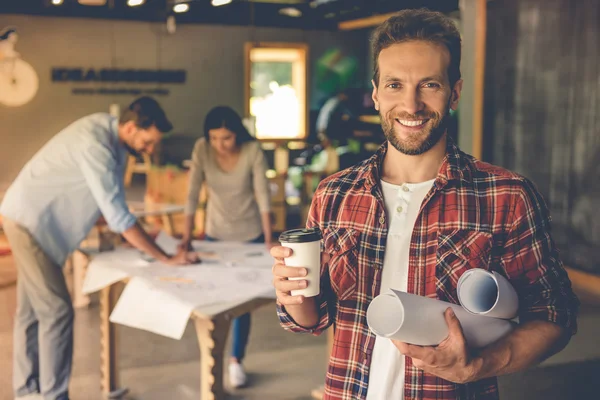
(458, 251)
(341, 243)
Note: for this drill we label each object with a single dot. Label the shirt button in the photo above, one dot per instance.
(399, 209)
(466, 251)
(405, 188)
(382, 220)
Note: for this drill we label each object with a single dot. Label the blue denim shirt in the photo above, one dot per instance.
(73, 179)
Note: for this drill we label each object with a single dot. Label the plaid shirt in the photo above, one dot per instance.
(475, 216)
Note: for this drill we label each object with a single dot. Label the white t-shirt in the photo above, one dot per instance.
(402, 204)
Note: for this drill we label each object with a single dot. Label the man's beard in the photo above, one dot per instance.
(418, 142)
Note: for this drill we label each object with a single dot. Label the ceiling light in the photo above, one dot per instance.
(57, 2)
(134, 3)
(181, 8)
(291, 12)
(96, 3)
(218, 3)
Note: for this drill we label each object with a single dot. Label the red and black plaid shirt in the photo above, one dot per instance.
(475, 216)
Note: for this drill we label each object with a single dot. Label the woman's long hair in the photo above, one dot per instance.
(226, 117)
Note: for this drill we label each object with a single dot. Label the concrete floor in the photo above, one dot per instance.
(279, 365)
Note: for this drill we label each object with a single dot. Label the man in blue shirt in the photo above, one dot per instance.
(48, 210)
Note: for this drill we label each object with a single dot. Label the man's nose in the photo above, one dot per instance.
(411, 102)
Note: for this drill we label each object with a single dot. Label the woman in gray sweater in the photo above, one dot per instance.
(233, 165)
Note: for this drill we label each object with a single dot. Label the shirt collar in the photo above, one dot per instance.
(114, 127)
(456, 166)
(119, 146)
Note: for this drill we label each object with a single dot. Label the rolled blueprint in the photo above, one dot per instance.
(487, 293)
(420, 320)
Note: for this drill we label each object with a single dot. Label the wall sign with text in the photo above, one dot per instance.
(118, 76)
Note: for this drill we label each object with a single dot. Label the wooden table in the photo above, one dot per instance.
(79, 259)
(142, 210)
(212, 327)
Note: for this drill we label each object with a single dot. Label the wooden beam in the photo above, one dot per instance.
(585, 285)
(479, 77)
(360, 23)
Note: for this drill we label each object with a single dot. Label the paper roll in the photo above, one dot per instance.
(487, 293)
(420, 320)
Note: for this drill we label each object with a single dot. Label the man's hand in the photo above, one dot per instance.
(185, 245)
(182, 258)
(303, 310)
(281, 273)
(449, 360)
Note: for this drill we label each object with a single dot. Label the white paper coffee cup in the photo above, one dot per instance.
(306, 253)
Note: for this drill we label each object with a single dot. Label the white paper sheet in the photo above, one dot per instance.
(143, 306)
(487, 293)
(112, 266)
(235, 253)
(159, 298)
(200, 285)
(100, 277)
(420, 320)
(167, 243)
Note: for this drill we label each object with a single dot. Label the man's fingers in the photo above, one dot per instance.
(418, 363)
(414, 351)
(401, 346)
(286, 286)
(287, 299)
(454, 326)
(193, 258)
(280, 252)
(283, 280)
(282, 271)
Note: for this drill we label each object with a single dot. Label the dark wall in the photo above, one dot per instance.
(542, 111)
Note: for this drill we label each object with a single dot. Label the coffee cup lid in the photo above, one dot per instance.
(300, 235)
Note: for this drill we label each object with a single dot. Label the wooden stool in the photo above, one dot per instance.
(133, 167)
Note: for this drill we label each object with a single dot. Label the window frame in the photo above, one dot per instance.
(302, 49)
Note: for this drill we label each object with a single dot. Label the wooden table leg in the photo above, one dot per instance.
(109, 374)
(80, 263)
(212, 335)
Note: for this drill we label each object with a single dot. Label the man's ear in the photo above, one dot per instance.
(374, 95)
(455, 96)
(129, 128)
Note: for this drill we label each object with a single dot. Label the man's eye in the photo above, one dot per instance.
(432, 85)
(394, 85)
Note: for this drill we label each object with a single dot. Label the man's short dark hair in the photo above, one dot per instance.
(145, 112)
(420, 24)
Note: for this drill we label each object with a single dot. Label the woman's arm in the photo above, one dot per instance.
(261, 193)
(265, 219)
(195, 183)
